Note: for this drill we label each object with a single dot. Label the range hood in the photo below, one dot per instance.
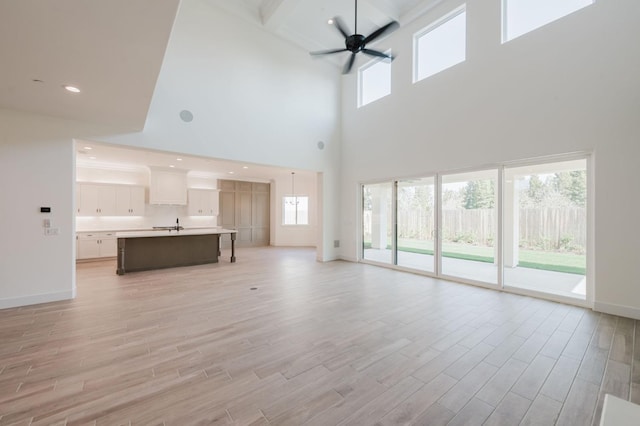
(167, 186)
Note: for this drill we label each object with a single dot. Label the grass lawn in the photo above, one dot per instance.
(534, 259)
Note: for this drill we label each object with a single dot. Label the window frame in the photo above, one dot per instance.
(297, 211)
(431, 27)
(501, 285)
(504, 30)
(364, 68)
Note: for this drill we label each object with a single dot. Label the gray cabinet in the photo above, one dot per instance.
(245, 206)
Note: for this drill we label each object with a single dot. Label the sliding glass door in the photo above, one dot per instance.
(522, 227)
(416, 223)
(377, 222)
(545, 228)
(469, 223)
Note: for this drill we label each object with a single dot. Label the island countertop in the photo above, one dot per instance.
(174, 233)
(156, 249)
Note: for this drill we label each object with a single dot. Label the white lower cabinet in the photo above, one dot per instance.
(94, 245)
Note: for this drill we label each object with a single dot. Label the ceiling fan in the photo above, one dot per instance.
(355, 43)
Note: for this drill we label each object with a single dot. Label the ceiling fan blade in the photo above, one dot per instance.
(327, 52)
(391, 26)
(349, 64)
(339, 23)
(377, 53)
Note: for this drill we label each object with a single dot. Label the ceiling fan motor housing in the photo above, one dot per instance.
(355, 43)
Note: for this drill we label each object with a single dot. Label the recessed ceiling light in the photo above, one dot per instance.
(231, 173)
(178, 159)
(88, 148)
(71, 89)
(92, 158)
(245, 167)
(171, 165)
(330, 21)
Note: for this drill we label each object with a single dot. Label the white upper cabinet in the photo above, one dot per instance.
(130, 201)
(168, 187)
(96, 200)
(203, 202)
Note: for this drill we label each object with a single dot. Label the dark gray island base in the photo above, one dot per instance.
(143, 251)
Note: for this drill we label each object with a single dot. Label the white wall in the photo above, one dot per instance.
(37, 170)
(569, 86)
(254, 98)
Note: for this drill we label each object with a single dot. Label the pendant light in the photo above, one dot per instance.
(293, 200)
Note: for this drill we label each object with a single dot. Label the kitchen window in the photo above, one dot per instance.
(295, 210)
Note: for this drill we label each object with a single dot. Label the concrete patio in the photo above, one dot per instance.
(558, 283)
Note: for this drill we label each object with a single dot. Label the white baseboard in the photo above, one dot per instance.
(620, 310)
(37, 299)
(348, 259)
(326, 259)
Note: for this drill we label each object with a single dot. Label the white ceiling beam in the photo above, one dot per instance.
(275, 12)
(420, 9)
(385, 7)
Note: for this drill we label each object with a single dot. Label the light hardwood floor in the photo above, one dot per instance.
(319, 344)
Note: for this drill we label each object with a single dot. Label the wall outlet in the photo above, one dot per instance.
(336, 243)
(51, 231)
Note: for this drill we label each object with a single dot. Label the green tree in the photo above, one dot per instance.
(572, 186)
(479, 194)
(537, 189)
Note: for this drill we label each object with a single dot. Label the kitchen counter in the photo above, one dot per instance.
(174, 233)
(156, 249)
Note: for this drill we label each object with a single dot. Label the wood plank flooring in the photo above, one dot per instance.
(320, 344)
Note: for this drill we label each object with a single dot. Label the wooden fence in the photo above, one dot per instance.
(551, 228)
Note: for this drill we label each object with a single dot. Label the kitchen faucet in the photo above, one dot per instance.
(177, 224)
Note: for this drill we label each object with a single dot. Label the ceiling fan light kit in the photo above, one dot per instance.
(355, 42)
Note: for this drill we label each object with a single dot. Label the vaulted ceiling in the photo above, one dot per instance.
(113, 50)
(304, 22)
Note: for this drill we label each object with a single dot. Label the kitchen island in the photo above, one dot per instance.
(168, 248)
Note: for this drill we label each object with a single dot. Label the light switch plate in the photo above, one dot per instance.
(51, 231)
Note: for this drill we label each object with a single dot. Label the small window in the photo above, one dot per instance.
(295, 210)
(441, 45)
(374, 81)
(522, 16)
